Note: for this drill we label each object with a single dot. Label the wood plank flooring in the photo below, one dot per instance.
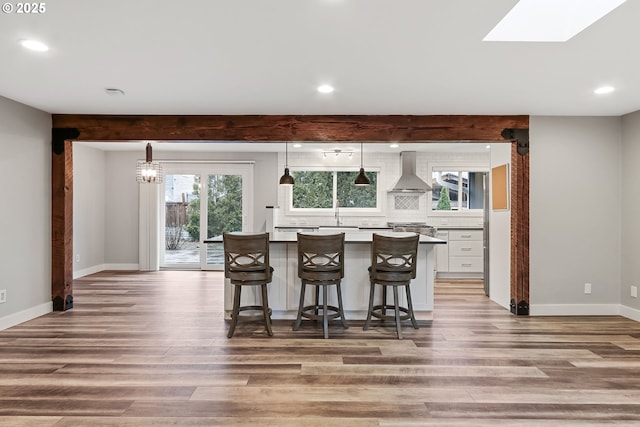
(150, 349)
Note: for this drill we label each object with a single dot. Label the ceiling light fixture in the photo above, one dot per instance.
(325, 89)
(286, 179)
(394, 145)
(297, 145)
(34, 45)
(549, 20)
(604, 90)
(149, 172)
(336, 152)
(362, 179)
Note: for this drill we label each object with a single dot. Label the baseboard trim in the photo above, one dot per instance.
(574, 310)
(102, 267)
(25, 315)
(631, 313)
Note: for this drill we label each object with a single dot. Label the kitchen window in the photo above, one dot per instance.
(331, 189)
(457, 190)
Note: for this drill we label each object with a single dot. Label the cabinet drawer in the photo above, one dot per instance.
(460, 248)
(465, 264)
(465, 235)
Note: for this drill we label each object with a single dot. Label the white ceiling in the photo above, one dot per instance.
(267, 57)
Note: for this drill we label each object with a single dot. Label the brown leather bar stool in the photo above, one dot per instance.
(393, 263)
(321, 264)
(246, 263)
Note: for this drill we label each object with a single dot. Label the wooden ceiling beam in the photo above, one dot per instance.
(258, 128)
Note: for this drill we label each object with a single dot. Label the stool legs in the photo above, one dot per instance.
(370, 310)
(398, 317)
(235, 311)
(312, 311)
(265, 310)
(237, 290)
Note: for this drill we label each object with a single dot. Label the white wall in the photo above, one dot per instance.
(88, 209)
(120, 201)
(630, 268)
(25, 249)
(575, 214)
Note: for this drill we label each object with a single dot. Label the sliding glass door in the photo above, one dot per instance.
(201, 201)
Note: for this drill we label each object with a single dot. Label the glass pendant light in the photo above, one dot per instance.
(149, 172)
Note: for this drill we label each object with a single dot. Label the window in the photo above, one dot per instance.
(330, 189)
(455, 190)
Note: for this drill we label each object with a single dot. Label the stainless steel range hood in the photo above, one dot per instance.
(409, 182)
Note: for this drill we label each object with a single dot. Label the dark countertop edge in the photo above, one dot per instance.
(424, 240)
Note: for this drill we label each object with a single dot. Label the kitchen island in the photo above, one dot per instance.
(284, 290)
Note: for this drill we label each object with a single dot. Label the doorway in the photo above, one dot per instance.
(200, 201)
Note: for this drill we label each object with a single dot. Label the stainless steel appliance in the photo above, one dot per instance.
(414, 227)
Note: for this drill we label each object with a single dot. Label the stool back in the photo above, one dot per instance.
(246, 257)
(394, 258)
(321, 256)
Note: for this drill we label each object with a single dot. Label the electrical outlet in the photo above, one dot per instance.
(77, 257)
(3, 296)
(587, 288)
(634, 291)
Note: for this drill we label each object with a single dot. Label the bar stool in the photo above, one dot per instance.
(321, 264)
(393, 263)
(246, 263)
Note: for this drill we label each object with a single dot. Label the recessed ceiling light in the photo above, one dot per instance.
(34, 45)
(549, 20)
(604, 89)
(488, 146)
(394, 145)
(297, 145)
(325, 89)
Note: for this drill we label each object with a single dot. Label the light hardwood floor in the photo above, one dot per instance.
(144, 349)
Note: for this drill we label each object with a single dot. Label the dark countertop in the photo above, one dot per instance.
(359, 236)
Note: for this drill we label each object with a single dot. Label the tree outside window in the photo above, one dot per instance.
(328, 189)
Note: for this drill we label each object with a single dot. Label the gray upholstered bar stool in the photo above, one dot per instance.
(246, 263)
(393, 263)
(320, 264)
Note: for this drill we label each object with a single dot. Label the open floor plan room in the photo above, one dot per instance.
(151, 349)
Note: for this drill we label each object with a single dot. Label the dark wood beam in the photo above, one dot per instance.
(290, 128)
(520, 227)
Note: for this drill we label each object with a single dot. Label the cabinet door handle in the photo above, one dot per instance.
(465, 249)
(466, 265)
(465, 236)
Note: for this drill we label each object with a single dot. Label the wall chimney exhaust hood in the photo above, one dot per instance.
(409, 182)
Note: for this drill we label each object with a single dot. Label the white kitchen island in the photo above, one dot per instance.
(284, 290)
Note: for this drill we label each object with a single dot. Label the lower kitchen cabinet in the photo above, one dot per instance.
(462, 255)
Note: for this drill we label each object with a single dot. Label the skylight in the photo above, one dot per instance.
(549, 20)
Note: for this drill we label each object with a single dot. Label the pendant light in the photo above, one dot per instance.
(286, 179)
(362, 179)
(149, 172)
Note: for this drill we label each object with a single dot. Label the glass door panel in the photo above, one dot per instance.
(224, 213)
(181, 247)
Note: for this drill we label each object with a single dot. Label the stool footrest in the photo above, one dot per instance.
(308, 311)
(376, 311)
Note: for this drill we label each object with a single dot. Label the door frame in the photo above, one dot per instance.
(67, 128)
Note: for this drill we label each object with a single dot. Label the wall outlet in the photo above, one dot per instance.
(587, 288)
(77, 257)
(3, 296)
(634, 291)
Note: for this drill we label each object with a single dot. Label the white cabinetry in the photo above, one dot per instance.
(463, 253)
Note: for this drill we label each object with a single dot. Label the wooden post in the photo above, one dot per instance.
(62, 218)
